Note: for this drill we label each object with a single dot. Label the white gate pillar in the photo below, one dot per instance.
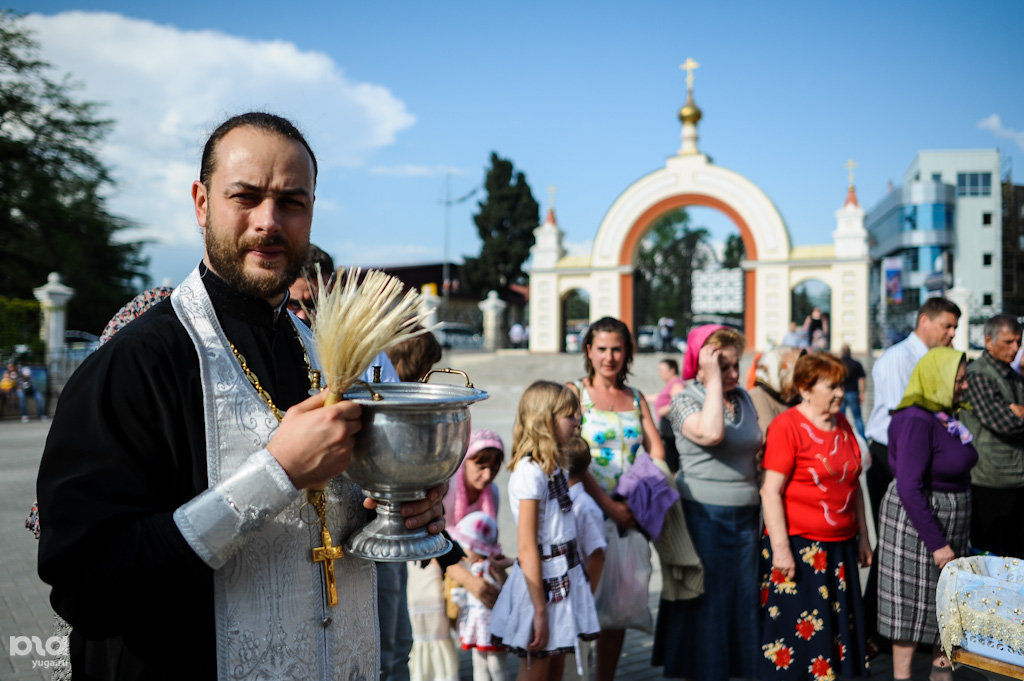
(53, 297)
(494, 332)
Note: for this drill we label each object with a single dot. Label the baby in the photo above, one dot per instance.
(477, 534)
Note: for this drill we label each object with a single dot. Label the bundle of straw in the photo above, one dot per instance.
(355, 321)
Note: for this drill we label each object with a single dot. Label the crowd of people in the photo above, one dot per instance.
(16, 382)
(164, 466)
(768, 482)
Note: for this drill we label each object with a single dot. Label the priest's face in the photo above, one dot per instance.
(257, 211)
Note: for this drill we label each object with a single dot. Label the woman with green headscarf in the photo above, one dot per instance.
(925, 514)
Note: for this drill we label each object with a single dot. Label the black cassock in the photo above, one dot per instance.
(127, 447)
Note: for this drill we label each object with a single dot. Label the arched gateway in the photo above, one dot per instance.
(772, 267)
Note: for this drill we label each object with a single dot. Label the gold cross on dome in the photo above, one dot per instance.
(850, 165)
(690, 65)
(551, 196)
(327, 554)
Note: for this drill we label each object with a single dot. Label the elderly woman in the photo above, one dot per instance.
(616, 423)
(773, 391)
(925, 514)
(713, 636)
(812, 618)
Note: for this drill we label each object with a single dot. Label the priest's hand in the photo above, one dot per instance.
(314, 443)
(427, 512)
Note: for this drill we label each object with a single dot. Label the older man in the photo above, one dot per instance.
(996, 418)
(176, 532)
(301, 293)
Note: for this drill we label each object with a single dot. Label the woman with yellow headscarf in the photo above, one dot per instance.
(925, 514)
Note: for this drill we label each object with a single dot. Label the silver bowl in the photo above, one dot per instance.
(414, 437)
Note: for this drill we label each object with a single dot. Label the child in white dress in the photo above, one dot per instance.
(545, 608)
(477, 534)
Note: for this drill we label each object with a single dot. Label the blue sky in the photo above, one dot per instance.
(579, 95)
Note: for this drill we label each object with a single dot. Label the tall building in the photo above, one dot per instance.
(942, 227)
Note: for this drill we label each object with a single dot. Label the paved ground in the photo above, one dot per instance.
(24, 610)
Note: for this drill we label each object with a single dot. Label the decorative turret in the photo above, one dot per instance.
(690, 114)
(850, 237)
(547, 248)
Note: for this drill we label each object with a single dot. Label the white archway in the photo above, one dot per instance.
(771, 264)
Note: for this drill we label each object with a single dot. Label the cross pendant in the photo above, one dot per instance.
(327, 554)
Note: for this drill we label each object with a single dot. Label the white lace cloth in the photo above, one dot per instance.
(980, 606)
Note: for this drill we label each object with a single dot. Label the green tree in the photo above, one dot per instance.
(665, 262)
(577, 306)
(53, 214)
(505, 221)
(735, 252)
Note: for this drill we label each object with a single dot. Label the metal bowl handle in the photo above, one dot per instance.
(426, 379)
(374, 395)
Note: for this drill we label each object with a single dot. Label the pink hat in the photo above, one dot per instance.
(694, 342)
(477, 532)
(482, 439)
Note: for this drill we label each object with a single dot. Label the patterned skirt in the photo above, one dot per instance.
(812, 626)
(907, 574)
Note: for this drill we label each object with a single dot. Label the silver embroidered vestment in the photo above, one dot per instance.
(272, 619)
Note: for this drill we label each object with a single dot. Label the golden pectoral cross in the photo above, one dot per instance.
(327, 554)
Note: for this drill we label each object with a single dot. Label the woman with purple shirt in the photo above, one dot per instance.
(925, 514)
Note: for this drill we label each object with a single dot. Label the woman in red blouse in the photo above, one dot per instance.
(812, 619)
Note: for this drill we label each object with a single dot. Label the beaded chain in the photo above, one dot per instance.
(314, 497)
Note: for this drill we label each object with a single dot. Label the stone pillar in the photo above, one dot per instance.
(962, 297)
(430, 302)
(53, 297)
(493, 308)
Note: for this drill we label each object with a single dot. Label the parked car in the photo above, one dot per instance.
(574, 337)
(647, 339)
(456, 336)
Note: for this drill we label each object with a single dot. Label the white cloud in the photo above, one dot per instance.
(166, 88)
(414, 170)
(379, 254)
(994, 125)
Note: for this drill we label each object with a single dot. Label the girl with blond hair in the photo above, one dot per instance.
(545, 608)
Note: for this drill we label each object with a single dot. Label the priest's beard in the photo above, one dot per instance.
(227, 259)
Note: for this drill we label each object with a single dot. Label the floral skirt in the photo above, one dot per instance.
(812, 626)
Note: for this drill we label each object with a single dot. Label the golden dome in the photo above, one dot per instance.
(690, 113)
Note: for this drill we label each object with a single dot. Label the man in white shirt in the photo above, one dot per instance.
(936, 323)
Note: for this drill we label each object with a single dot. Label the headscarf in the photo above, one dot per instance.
(133, 309)
(775, 370)
(480, 439)
(694, 342)
(477, 532)
(932, 381)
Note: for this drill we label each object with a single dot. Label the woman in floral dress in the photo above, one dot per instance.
(616, 423)
(812, 617)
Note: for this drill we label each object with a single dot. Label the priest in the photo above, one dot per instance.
(182, 526)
